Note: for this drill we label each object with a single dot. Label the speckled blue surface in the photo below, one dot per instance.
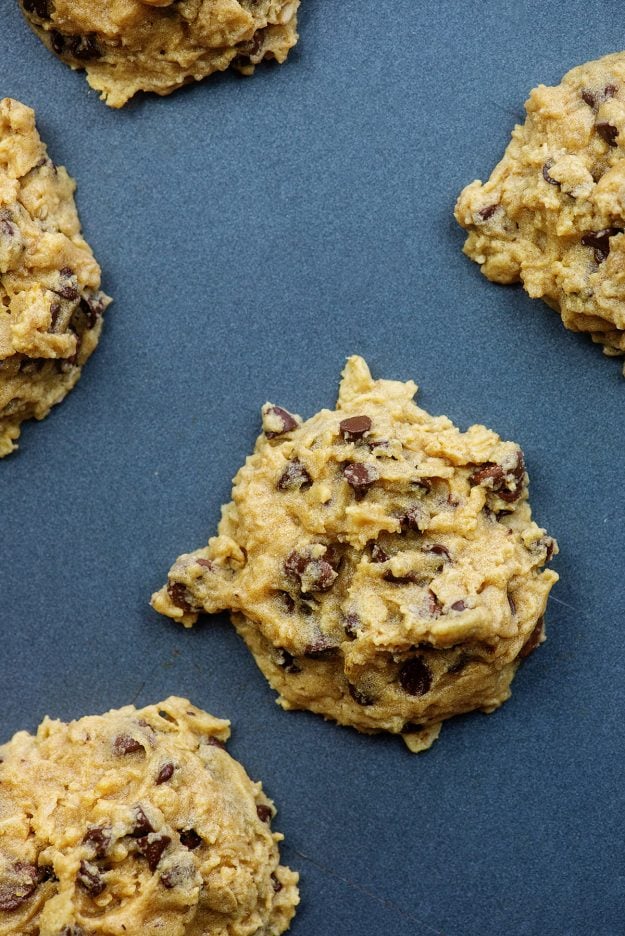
(253, 234)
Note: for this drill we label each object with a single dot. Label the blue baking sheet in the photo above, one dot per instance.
(253, 233)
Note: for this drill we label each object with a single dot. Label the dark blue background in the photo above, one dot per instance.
(253, 234)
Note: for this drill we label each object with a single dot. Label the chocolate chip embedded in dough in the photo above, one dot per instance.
(459, 605)
(165, 773)
(607, 132)
(533, 640)
(312, 574)
(546, 175)
(142, 826)
(265, 813)
(18, 884)
(354, 427)
(600, 241)
(362, 698)
(99, 838)
(126, 744)
(41, 8)
(415, 677)
(286, 660)
(413, 519)
(360, 476)
(212, 741)
(352, 624)
(275, 883)
(294, 477)
(410, 578)
(190, 839)
(378, 554)
(179, 595)
(152, 848)
(439, 550)
(90, 879)
(488, 212)
(280, 421)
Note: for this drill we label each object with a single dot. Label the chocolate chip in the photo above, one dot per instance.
(287, 601)
(179, 595)
(410, 727)
(533, 640)
(458, 665)
(438, 550)
(212, 741)
(488, 212)
(92, 308)
(294, 477)
(165, 773)
(99, 837)
(190, 839)
(163, 714)
(90, 879)
(46, 873)
(125, 744)
(459, 605)
(354, 427)
(67, 292)
(152, 848)
(285, 421)
(286, 661)
(607, 132)
(360, 697)
(276, 884)
(506, 483)
(83, 48)
(57, 41)
(512, 604)
(410, 578)
(433, 604)
(413, 519)
(321, 646)
(546, 175)
(600, 241)
(142, 826)
(265, 813)
(589, 98)
(206, 564)
(360, 476)
(40, 8)
(18, 884)
(174, 876)
(378, 554)
(314, 575)
(415, 677)
(352, 624)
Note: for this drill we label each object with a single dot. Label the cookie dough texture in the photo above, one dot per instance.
(137, 822)
(381, 565)
(50, 301)
(552, 214)
(127, 46)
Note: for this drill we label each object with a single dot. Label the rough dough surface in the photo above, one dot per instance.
(50, 301)
(382, 566)
(552, 214)
(127, 46)
(137, 822)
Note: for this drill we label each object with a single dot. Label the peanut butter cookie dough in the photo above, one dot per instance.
(127, 46)
(381, 565)
(552, 214)
(50, 301)
(137, 821)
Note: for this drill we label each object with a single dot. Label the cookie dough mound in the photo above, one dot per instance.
(381, 565)
(50, 301)
(127, 46)
(552, 214)
(137, 821)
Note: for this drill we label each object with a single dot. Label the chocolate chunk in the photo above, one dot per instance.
(99, 838)
(152, 848)
(352, 624)
(354, 427)
(179, 595)
(265, 813)
(285, 420)
(378, 554)
(360, 697)
(143, 826)
(546, 175)
(438, 550)
(459, 605)
(607, 132)
(17, 885)
(40, 8)
(600, 241)
(415, 677)
(488, 212)
(165, 773)
(294, 477)
(125, 744)
(90, 879)
(276, 884)
(190, 839)
(533, 640)
(314, 575)
(286, 661)
(360, 476)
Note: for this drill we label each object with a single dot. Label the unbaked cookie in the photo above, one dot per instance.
(50, 301)
(137, 822)
(127, 46)
(552, 214)
(381, 565)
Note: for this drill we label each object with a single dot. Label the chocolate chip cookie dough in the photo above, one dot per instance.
(381, 565)
(137, 821)
(50, 301)
(127, 46)
(552, 214)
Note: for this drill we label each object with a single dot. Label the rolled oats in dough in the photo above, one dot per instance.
(127, 46)
(552, 214)
(137, 822)
(50, 301)
(381, 565)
